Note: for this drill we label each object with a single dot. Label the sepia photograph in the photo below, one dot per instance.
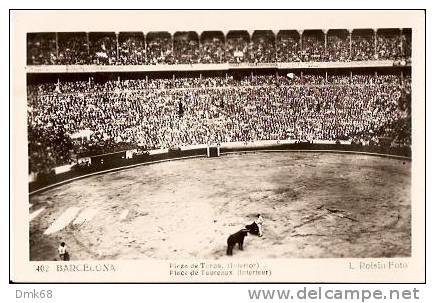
(230, 143)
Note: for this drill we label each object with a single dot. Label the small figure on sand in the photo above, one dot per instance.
(63, 253)
(256, 228)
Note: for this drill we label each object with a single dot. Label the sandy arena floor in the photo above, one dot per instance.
(315, 205)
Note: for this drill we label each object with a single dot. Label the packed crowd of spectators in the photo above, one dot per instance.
(131, 49)
(263, 46)
(159, 48)
(186, 48)
(363, 45)
(103, 49)
(337, 46)
(47, 147)
(41, 49)
(237, 47)
(288, 46)
(73, 48)
(407, 43)
(163, 113)
(388, 45)
(212, 49)
(313, 46)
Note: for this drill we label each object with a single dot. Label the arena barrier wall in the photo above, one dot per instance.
(101, 164)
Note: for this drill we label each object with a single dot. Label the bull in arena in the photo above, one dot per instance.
(236, 238)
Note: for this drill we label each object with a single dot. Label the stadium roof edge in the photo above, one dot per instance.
(222, 20)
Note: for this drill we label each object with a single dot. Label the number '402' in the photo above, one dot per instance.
(42, 268)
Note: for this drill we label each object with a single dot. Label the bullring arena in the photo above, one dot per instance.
(315, 205)
(115, 120)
